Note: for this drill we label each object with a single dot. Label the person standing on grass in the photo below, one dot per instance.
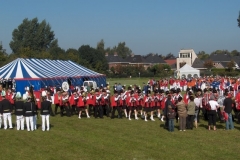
(168, 103)
(227, 107)
(182, 113)
(171, 116)
(19, 112)
(190, 113)
(212, 113)
(6, 111)
(45, 112)
(28, 110)
(198, 105)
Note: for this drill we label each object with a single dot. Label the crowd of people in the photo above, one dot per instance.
(168, 100)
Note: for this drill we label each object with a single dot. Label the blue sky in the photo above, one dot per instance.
(157, 26)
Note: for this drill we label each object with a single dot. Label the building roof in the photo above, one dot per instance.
(171, 61)
(136, 59)
(43, 68)
(220, 57)
(186, 50)
(154, 59)
(198, 63)
(115, 59)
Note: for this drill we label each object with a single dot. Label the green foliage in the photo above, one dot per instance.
(93, 58)
(108, 139)
(122, 50)
(238, 20)
(208, 64)
(202, 55)
(230, 65)
(33, 35)
(169, 56)
(3, 56)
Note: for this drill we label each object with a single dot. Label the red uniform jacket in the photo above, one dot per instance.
(80, 102)
(56, 100)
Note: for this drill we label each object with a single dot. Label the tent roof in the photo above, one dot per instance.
(43, 68)
(188, 68)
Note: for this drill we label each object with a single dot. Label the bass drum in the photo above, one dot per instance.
(65, 86)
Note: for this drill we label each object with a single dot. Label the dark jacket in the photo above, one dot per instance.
(5, 106)
(168, 102)
(46, 108)
(171, 114)
(19, 105)
(227, 103)
(29, 109)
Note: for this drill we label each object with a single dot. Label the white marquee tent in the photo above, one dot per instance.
(187, 72)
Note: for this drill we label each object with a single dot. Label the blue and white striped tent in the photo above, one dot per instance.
(45, 72)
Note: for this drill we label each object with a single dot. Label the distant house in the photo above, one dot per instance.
(134, 60)
(221, 60)
(115, 60)
(198, 64)
(186, 56)
(172, 62)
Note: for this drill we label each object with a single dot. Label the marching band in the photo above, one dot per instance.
(130, 102)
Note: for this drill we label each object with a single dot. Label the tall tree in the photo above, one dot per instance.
(169, 56)
(230, 65)
(3, 56)
(92, 58)
(30, 33)
(202, 55)
(208, 64)
(238, 19)
(122, 50)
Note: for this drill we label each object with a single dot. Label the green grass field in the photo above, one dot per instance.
(107, 139)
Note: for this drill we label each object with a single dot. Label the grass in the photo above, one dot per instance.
(72, 138)
(118, 139)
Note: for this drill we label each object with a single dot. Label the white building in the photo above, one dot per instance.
(186, 56)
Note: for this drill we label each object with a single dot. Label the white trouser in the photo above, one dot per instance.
(0, 120)
(35, 122)
(45, 117)
(29, 120)
(7, 116)
(184, 88)
(20, 122)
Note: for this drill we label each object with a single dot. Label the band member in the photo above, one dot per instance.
(10, 96)
(28, 110)
(139, 102)
(82, 104)
(6, 111)
(131, 102)
(90, 101)
(155, 103)
(104, 102)
(57, 99)
(19, 105)
(98, 107)
(65, 103)
(116, 105)
(147, 107)
(45, 112)
(73, 101)
(123, 101)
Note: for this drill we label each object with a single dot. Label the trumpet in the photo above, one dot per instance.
(149, 99)
(156, 99)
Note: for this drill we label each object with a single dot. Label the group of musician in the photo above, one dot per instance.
(26, 111)
(130, 102)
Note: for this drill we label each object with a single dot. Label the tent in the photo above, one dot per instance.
(187, 72)
(45, 72)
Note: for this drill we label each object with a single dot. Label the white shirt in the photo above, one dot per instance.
(213, 104)
(198, 102)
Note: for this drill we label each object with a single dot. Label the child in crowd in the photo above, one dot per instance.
(171, 116)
